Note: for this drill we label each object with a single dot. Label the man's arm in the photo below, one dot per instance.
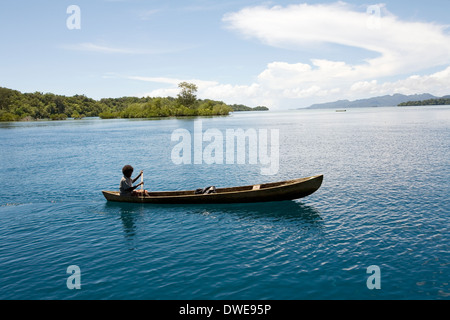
(132, 188)
(139, 175)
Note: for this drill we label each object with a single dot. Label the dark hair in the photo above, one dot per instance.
(127, 170)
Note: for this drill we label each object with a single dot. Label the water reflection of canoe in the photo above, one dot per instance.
(275, 191)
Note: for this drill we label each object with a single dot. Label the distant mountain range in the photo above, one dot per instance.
(382, 101)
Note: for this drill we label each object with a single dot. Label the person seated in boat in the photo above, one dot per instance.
(126, 184)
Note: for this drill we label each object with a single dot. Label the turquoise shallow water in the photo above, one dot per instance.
(384, 201)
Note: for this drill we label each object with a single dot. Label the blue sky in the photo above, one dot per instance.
(283, 54)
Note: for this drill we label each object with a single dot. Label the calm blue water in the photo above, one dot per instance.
(384, 201)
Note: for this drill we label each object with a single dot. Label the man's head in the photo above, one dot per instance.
(127, 171)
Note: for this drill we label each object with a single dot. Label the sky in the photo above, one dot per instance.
(281, 54)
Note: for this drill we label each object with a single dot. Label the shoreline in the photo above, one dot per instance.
(128, 118)
(24, 107)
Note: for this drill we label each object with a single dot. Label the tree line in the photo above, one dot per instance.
(430, 102)
(241, 107)
(16, 106)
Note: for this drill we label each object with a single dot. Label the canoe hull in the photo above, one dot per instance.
(279, 191)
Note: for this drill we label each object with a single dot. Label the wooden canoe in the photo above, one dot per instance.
(275, 191)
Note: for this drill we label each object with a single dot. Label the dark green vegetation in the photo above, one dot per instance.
(241, 107)
(430, 102)
(15, 106)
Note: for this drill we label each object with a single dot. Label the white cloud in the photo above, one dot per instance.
(172, 81)
(92, 47)
(290, 95)
(401, 46)
(107, 49)
(201, 84)
(437, 83)
(395, 49)
(207, 90)
(146, 15)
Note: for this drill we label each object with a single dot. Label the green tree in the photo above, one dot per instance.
(15, 106)
(187, 95)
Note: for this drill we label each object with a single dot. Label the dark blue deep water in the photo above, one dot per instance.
(385, 201)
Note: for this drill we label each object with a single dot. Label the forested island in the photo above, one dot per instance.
(18, 106)
(241, 107)
(430, 102)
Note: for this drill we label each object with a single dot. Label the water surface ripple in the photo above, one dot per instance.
(384, 201)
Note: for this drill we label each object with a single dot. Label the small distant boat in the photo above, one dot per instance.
(275, 191)
(341, 110)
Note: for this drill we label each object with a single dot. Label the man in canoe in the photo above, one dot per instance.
(126, 184)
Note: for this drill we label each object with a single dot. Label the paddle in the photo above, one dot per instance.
(142, 183)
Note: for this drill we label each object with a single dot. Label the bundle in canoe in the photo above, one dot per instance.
(275, 191)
